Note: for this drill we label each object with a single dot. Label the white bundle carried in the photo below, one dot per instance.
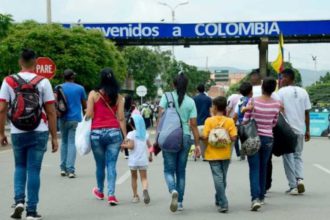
(219, 136)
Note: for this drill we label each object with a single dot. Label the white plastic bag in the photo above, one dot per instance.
(83, 139)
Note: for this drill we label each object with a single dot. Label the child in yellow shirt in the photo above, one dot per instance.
(219, 157)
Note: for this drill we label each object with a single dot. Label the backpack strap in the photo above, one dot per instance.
(170, 100)
(36, 80)
(18, 80)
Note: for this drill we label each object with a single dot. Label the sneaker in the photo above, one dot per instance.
(63, 173)
(72, 175)
(174, 202)
(112, 200)
(300, 186)
(292, 191)
(126, 157)
(223, 209)
(33, 216)
(255, 205)
(262, 202)
(146, 197)
(18, 210)
(180, 206)
(136, 199)
(99, 195)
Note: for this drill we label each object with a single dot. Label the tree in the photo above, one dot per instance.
(271, 73)
(5, 23)
(194, 75)
(145, 65)
(319, 92)
(84, 51)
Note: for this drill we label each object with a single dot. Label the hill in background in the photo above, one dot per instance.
(308, 76)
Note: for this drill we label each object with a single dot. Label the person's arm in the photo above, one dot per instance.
(232, 130)
(90, 105)
(128, 144)
(194, 129)
(307, 123)
(4, 100)
(247, 114)
(149, 148)
(3, 116)
(52, 117)
(235, 118)
(48, 100)
(121, 115)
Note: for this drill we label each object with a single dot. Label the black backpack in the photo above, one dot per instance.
(61, 103)
(25, 111)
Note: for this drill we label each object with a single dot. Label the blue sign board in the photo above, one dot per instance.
(319, 124)
(126, 31)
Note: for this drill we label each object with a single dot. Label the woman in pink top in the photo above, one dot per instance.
(106, 108)
(265, 111)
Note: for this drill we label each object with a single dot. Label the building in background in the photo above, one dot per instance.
(224, 79)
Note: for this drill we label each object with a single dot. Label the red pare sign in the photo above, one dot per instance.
(45, 67)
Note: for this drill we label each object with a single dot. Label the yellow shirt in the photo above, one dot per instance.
(216, 153)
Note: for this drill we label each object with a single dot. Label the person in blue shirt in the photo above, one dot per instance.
(76, 102)
(203, 105)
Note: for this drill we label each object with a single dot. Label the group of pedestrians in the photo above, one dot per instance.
(118, 125)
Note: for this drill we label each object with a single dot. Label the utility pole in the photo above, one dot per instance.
(173, 14)
(49, 11)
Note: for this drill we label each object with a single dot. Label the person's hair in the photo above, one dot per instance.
(109, 85)
(256, 72)
(201, 88)
(245, 89)
(289, 73)
(27, 57)
(220, 103)
(268, 85)
(69, 74)
(181, 83)
(128, 102)
(131, 123)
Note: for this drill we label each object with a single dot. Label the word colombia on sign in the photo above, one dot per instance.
(210, 30)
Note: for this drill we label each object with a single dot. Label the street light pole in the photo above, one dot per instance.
(173, 14)
(49, 11)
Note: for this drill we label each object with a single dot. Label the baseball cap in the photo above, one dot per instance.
(69, 74)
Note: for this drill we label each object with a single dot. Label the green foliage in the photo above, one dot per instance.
(194, 75)
(5, 23)
(319, 92)
(86, 52)
(144, 65)
(272, 73)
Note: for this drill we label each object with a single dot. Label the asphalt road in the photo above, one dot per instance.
(71, 199)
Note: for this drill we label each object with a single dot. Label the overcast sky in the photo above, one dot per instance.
(244, 57)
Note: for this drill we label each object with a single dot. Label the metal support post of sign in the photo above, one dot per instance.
(263, 56)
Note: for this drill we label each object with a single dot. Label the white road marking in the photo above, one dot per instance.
(5, 151)
(322, 168)
(124, 177)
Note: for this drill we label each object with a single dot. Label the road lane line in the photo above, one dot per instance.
(5, 151)
(322, 168)
(124, 177)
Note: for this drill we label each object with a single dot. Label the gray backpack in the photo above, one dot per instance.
(169, 130)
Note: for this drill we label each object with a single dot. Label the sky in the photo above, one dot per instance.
(243, 57)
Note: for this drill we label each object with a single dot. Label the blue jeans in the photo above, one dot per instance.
(106, 146)
(258, 168)
(219, 170)
(29, 149)
(68, 147)
(175, 168)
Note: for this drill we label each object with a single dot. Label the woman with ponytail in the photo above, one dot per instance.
(175, 163)
(106, 108)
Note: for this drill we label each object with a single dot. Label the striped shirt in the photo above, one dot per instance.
(265, 114)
